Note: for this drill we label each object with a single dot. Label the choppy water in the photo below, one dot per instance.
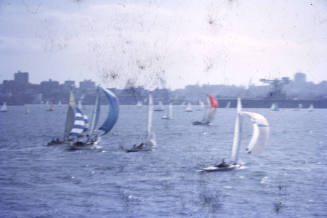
(288, 180)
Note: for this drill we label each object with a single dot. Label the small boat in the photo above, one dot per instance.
(188, 108)
(4, 107)
(274, 107)
(86, 139)
(258, 142)
(150, 141)
(139, 104)
(27, 109)
(59, 103)
(169, 115)
(311, 107)
(228, 105)
(209, 113)
(159, 107)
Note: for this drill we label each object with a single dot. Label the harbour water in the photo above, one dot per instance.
(288, 180)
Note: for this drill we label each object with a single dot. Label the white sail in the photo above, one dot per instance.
(311, 107)
(260, 134)
(95, 113)
(188, 108)
(150, 134)
(237, 133)
(27, 109)
(139, 103)
(300, 106)
(4, 107)
(80, 106)
(170, 113)
(201, 104)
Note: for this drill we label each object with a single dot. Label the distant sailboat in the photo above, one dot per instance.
(274, 107)
(150, 141)
(93, 134)
(51, 107)
(159, 107)
(300, 106)
(27, 109)
(59, 103)
(139, 104)
(169, 115)
(4, 107)
(188, 108)
(257, 144)
(228, 105)
(311, 107)
(209, 113)
(201, 104)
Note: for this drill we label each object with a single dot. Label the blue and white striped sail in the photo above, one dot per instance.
(80, 124)
(112, 113)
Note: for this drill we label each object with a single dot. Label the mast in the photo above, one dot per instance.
(237, 133)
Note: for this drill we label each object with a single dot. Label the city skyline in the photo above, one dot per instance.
(156, 44)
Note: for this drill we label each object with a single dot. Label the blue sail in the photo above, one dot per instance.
(113, 111)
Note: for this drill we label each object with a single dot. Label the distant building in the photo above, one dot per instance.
(87, 86)
(300, 78)
(69, 84)
(21, 78)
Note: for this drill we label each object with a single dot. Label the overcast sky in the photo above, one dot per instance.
(171, 43)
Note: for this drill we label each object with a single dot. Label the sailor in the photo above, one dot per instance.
(222, 164)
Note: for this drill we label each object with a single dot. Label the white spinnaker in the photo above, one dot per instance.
(260, 134)
(237, 132)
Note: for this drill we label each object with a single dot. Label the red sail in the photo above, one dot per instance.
(213, 101)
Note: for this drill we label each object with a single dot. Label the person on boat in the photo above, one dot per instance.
(222, 164)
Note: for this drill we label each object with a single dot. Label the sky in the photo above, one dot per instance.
(169, 43)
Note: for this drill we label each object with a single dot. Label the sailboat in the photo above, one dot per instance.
(311, 107)
(274, 107)
(27, 109)
(169, 115)
(300, 106)
(159, 107)
(188, 108)
(209, 113)
(257, 144)
(4, 107)
(228, 105)
(139, 104)
(59, 103)
(150, 141)
(92, 136)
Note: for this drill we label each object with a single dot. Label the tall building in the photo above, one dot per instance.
(21, 78)
(300, 78)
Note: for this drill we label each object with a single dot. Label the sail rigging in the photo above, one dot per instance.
(70, 116)
(113, 112)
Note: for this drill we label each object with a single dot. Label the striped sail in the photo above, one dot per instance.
(70, 116)
(113, 111)
(80, 124)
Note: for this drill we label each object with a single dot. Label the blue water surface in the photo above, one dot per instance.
(288, 180)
